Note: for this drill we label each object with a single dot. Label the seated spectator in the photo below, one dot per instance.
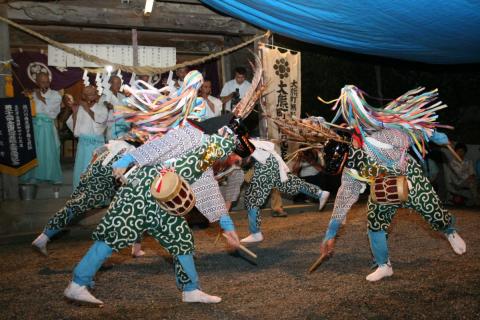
(180, 74)
(460, 178)
(214, 105)
(308, 167)
(145, 77)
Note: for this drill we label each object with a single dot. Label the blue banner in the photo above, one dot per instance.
(437, 32)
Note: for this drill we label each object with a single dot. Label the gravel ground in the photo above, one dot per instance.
(430, 281)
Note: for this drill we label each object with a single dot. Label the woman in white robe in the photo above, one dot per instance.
(47, 143)
(91, 135)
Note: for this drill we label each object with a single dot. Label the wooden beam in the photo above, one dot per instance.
(8, 183)
(185, 43)
(120, 3)
(135, 47)
(184, 1)
(167, 16)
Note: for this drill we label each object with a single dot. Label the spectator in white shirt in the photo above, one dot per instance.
(235, 89)
(47, 144)
(213, 105)
(90, 133)
(180, 73)
(109, 102)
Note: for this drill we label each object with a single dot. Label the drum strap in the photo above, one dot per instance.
(354, 174)
(159, 185)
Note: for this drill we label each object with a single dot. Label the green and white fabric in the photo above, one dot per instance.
(265, 178)
(134, 210)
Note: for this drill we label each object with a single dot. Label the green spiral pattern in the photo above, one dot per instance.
(96, 188)
(421, 195)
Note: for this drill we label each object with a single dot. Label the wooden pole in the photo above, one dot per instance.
(109, 14)
(135, 47)
(317, 263)
(8, 184)
(456, 156)
(225, 61)
(244, 249)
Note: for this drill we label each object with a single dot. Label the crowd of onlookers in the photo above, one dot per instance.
(91, 120)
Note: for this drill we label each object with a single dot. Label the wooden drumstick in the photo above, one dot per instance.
(217, 238)
(243, 248)
(123, 178)
(449, 147)
(317, 263)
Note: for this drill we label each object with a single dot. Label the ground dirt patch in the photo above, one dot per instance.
(430, 281)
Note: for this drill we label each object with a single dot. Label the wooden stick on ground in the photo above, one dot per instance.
(317, 263)
(244, 249)
(217, 238)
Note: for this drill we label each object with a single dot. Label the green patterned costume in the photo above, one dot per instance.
(385, 152)
(266, 177)
(97, 188)
(135, 211)
(421, 196)
(381, 141)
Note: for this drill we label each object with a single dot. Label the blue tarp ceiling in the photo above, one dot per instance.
(439, 32)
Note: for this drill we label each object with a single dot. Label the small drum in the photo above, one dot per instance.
(389, 190)
(335, 155)
(173, 193)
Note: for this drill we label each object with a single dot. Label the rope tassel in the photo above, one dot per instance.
(154, 111)
(413, 112)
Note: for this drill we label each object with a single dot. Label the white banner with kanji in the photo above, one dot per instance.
(282, 73)
(120, 54)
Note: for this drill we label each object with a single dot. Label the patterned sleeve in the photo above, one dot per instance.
(152, 152)
(172, 145)
(347, 195)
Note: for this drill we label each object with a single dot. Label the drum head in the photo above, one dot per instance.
(166, 186)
